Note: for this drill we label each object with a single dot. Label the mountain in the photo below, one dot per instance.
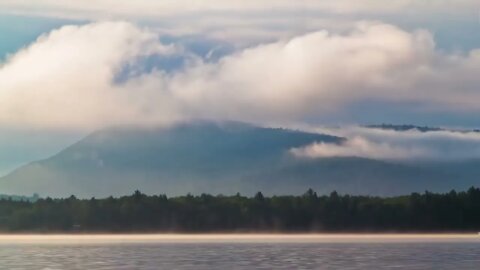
(215, 158)
(418, 128)
(405, 127)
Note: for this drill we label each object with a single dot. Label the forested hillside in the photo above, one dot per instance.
(427, 212)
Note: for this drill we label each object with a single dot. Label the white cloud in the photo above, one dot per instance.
(247, 21)
(359, 147)
(66, 79)
(313, 73)
(395, 145)
(151, 8)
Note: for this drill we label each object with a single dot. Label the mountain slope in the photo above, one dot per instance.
(213, 158)
(178, 159)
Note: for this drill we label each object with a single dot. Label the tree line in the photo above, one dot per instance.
(426, 212)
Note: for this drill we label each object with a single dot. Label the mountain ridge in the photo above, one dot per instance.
(209, 157)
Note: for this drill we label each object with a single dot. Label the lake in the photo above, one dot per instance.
(239, 252)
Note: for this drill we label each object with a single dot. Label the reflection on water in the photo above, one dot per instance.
(231, 252)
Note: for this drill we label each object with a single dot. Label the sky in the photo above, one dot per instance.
(68, 68)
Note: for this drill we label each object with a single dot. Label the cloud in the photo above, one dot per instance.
(151, 9)
(110, 73)
(65, 78)
(310, 74)
(359, 147)
(442, 145)
(248, 21)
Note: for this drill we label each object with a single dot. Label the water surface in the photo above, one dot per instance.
(240, 252)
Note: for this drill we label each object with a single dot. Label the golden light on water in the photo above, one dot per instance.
(234, 238)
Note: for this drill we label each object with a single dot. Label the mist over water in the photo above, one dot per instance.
(240, 252)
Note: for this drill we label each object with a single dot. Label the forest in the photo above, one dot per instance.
(140, 213)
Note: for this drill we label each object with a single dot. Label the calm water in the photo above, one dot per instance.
(234, 253)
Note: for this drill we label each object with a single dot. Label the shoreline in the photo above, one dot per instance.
(234, 238)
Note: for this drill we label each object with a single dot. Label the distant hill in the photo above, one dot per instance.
(218, 158)
(405, 127)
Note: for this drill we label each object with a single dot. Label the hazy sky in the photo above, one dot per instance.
(71, 67)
